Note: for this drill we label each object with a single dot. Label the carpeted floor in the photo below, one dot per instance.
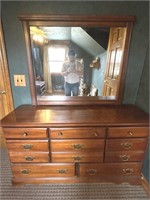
(64, 191)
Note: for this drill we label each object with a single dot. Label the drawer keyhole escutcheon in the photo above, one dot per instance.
(60, 134)
(27, 146)
(25, 134)
(126, 145)
(62, 171)
(92, 171)
(78, 146)
(29, 158)
(77, 158)
(124, 157)
(128, 171)
(25, 171)
(130, 133)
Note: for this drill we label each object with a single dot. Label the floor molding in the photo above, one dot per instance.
(145, 185)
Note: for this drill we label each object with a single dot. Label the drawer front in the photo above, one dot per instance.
(123, 156)
(25, 133)
(112, 169)
(43, 170)
(126, 144)
(77, 145)
(27, 145)
(127, 132)
(29, 157)
(77, 157)
(67, 133)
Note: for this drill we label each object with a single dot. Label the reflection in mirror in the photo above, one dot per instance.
(50, 47)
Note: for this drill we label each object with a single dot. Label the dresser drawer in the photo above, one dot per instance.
(29, 157)
(77, 145)
(67, 133)
(28, 145)
(111, 169)
(126, 144)
(25, 133)
(127, 132)
(43, 170)
(123, 156)
(77, 157)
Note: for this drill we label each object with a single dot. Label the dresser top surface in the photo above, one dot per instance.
(40, 116)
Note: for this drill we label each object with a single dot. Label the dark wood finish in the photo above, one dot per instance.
(64, 133)
(25, 133)
(76, 20)
(126, 144)
(29, 157)
(127, 132)
(123, 156)
(43, 170)
(77, 145)
(77, 157)
(27, 145)
(61, 148)
(115, 169)
(145, 185)
(76, 116)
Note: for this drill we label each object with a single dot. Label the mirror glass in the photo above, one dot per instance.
(76, 59)
(59, 73)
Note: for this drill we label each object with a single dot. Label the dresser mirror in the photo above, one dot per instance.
(100, 44)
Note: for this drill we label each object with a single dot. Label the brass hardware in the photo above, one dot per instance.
(3, 92)
(25, 134)
(92, 171)
(29, 158)
(77, 146)
(128, 171)
(25, 171)
(124, 157)
(95, 134)
(60, 134)
(62, 171)
(77, 158)
(130, 133)
(126, 145)
(27, 146)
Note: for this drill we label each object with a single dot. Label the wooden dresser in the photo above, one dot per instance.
(72, 144)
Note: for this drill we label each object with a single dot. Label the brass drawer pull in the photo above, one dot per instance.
(77, 158)
(126, 145)
(91, 171)
(124, 157)
(62, 171)
(25, 134)
(29, 158)
(60, 134)
(130, 133)
(27, 146)
(95, 134)
(128, 171)
(77, 146)
(25, 171)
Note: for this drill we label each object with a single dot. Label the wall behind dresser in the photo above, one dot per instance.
(15, 44)
(142, 101)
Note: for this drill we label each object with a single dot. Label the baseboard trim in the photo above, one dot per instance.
(145, 185)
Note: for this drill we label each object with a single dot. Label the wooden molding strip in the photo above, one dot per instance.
(145, 185)
(28, 17)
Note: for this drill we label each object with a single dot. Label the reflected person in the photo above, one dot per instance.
(71, 70)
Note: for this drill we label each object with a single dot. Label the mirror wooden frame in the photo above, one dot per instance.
(75, 20)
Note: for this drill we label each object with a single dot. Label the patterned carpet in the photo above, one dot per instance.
(64, 191)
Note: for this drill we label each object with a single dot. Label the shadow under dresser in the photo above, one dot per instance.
(76, 144)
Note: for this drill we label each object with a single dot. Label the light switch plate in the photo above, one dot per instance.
(19, 80)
